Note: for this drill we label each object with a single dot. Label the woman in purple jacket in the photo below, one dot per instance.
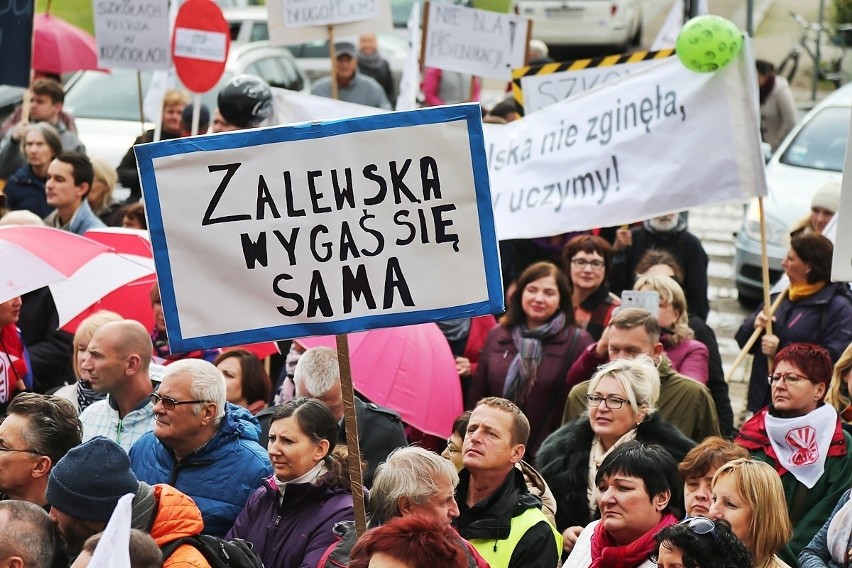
(290, 519)
(526, 358)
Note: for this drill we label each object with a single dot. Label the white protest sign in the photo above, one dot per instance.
(662, 139)
(474, 42)
(541, 90)
(841, 264)
(299, 21)
(200, 44)
(325, 228)
(132, 34)
(409, 83)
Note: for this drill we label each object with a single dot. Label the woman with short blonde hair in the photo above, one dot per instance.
(688, 356)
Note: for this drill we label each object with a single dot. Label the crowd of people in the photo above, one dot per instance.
(595, 434)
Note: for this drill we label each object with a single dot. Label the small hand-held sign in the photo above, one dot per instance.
(200, 45)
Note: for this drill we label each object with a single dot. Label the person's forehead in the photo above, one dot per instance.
(104, 339)
(12, 427)
(635, 334)
(57, 167)
(491, 417)
(177, 383)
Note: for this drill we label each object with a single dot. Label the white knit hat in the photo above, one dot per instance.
(827, 196)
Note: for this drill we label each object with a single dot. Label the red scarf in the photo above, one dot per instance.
(753, 437)
(13, 347)
(607, 554)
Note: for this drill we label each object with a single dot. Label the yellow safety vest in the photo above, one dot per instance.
(498, 553)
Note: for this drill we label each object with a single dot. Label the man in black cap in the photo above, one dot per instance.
(352, 86)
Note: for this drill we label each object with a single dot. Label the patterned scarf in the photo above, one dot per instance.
(523, 370)
(86, 395)
(607, 554)
(454, 329)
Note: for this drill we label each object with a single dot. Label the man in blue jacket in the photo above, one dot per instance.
(202, 445)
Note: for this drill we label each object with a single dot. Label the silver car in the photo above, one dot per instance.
(106, 105)
(811, 155)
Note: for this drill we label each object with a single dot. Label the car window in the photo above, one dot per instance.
(259, 32)
(821, 143)
(276, 72)
(318, 48)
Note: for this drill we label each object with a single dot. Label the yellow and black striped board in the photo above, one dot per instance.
(607, 61)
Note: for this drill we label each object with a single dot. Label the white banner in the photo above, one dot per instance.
(549, 88)
(474, 42)
(319, 229)
(661, 140)
(300, 21)
(132, 34)
(841, 264)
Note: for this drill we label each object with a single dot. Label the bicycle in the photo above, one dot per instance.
(830, 69)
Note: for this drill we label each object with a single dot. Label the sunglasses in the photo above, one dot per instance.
(170, 403)
(700, 525)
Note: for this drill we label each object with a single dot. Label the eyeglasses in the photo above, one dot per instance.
(4, 449)
(700, 525)
(612, 402)
(583, 263)
(170, 403)
(791, 379)
(452, 448)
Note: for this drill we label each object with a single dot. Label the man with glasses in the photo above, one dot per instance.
(37, 432)
(684, 402)
(202, 445)
(117, 360)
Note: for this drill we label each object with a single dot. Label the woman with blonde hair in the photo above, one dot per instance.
(838, 391)
(748, 494)
(80, 392)
(689, 356)
(174, 101)
(622, 403)
(100, 195)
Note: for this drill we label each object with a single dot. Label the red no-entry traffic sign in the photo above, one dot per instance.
(200, 44)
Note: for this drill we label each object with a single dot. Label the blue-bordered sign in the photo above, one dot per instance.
(322, 228)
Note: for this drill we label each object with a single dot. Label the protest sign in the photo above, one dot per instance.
(841, 264)
(537, 86)
(322, 228)
(16, 41)
(132, 35)
(474, 42)
(299, 21)
(662, 139)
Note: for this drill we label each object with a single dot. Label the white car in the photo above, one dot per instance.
(811, 155)
(106, 105)
(612, 23)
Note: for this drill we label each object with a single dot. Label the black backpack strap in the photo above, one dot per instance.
(169, 548)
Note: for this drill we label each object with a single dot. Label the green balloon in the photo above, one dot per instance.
(708, 43)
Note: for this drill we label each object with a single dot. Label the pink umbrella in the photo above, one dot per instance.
(34, 257)
(409, 369)
(60, 47)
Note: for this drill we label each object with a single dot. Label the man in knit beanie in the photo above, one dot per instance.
(84, 488)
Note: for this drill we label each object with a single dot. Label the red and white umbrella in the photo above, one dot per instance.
(34, 257)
